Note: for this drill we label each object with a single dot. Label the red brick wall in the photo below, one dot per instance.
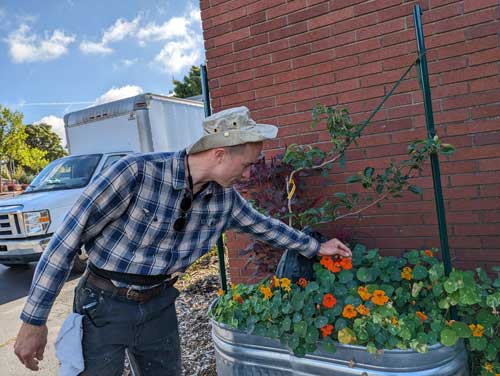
(280, 57)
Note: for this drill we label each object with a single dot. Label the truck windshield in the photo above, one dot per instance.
(66, 173)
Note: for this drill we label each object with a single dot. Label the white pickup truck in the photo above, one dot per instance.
(97, 137)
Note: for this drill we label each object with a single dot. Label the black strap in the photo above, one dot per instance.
(129, 278)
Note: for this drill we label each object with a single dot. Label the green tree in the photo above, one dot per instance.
(13, 147)
(12, 136)
(190, 86)
(41, 136)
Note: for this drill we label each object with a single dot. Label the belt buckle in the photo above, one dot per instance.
(131, 294)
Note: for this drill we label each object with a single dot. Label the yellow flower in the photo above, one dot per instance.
(349, 311)
(379, 297)
(363, 310)
(477, 330)
(363, 293)
(406, 273)
(266, 291)
(285, 284)
(488, 367)
(233, 286)
(220, 292)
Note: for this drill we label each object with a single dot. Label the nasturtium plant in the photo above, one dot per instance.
(374, 301)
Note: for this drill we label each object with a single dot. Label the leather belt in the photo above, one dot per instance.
(139, 296)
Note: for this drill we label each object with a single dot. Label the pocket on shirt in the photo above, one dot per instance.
(148, 226)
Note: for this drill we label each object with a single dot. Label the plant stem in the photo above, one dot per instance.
(364, 208)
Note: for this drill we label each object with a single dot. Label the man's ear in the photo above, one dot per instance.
(219, 154)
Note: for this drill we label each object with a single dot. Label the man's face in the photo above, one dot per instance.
(236, 166)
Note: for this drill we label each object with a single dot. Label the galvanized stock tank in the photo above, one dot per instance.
(241, 354)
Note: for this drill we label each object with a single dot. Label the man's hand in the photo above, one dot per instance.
(334, 247)
(30, 344)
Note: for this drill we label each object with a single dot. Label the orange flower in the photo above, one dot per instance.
(329, 301)
(335, 268)
(363, 310)
(237, 298)
(422, 316)
(429, 253)
(363, 293)
(394, 321)
(220, 292)
(326, 261)
(349, 311)
(406, 273)
(346, 263)
(302, 282)
(276, 282)
(326, 330)
(266, 291)
(477, 330)
(379, 297)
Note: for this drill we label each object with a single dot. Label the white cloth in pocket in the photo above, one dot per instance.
(69, 346)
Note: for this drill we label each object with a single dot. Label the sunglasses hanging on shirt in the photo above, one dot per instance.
(187, 201)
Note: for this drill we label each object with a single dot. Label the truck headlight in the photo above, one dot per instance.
(36, 222)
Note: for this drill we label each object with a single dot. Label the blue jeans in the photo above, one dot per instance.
(112, 323)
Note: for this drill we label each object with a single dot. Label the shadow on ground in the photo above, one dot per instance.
(15, 282)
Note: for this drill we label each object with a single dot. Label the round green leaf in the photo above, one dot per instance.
(462, 330)
(478, 343)
(329, 345)
(320, 321)
(419, 273)
(448, 337)
(364, 274)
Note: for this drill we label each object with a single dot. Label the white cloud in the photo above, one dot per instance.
(119, 93)
(94, 48)
(183, 41)
(174, 27)
(194, 13)
(25, 46)
(57, 124)
(179, 54)
(115, 33)
(125, 63)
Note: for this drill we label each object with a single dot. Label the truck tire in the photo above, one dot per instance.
(80, 262)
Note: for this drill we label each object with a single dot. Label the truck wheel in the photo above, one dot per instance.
(80, 262)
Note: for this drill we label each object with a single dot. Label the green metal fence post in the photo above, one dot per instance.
(431, 132)
(208, 112)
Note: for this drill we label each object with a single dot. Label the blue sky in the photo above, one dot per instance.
(58, 56)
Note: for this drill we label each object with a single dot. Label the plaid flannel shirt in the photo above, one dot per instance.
(125, 221)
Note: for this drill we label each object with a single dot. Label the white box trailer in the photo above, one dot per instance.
(144, 123)
(97, 137)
